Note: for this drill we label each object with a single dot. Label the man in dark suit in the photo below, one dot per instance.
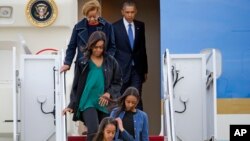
(131, 50)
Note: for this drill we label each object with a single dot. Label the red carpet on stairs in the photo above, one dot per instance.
(83, 138)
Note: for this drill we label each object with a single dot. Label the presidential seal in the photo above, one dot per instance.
(41, 13)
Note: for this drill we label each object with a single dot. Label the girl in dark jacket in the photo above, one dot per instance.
(97, 79)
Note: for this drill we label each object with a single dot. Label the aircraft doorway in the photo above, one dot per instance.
(149, 13)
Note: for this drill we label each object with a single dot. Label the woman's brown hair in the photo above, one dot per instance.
(93, 39)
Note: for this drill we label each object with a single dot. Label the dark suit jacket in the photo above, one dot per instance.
(124, 54)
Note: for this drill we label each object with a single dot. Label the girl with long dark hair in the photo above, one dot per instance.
(132, 122)
(107, 130)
